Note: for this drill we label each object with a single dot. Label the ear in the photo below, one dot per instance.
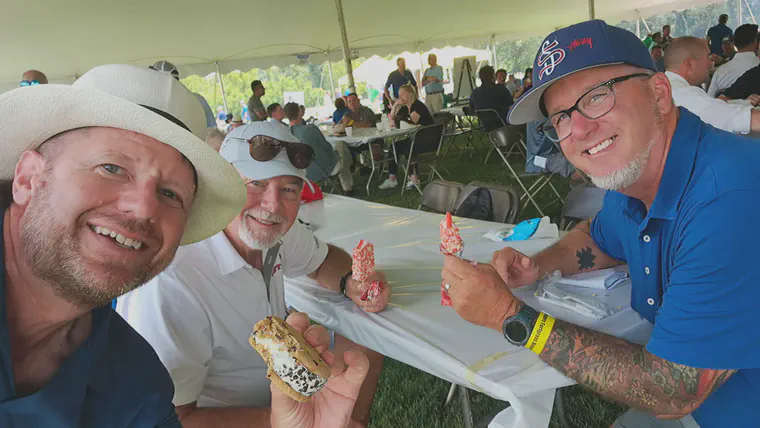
(661, 91)
(29, 172)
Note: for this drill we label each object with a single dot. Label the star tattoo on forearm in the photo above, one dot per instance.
(628, 373)
(585, 258)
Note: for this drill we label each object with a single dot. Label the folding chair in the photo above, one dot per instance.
(426, 144)
(505, 202)
(477, 131)
(451, 130)
(491, 121)
(329, 180)
(582, 203)
(440, 196)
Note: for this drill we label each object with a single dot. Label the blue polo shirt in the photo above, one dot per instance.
(694, 265)
(397, 80)
(113, 380)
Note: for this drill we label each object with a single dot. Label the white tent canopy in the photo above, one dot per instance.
(66, 38)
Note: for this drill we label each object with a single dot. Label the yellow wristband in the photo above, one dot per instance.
(540, 334)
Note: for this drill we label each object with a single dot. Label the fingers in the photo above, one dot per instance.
(457, 267)
(380, 302)
(318, 337)
(358, 367)
(299, 321)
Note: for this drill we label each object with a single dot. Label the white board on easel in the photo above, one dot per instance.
(464, 76)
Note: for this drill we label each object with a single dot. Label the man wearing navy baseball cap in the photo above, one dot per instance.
(680, 211)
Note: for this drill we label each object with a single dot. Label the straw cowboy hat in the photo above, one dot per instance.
(135, 99)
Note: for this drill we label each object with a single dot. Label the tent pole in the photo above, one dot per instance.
(739, 11)
(346, 53)
(221, 85)
(329, 70)
(751, 15)
(492, 48)
(591, 13)
(644, 21)
(638, 28)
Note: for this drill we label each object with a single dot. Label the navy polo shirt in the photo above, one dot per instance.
(693, 262)
(397, 80)
(114, 379)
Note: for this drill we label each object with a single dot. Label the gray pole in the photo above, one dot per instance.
(591, 13)
(751, 15)
(332, 82)
(346, 53)
(739, 12)
(638, 28)
(221, 85)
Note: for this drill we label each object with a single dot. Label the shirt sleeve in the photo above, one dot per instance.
(388, 82)
(302, 252)
(709, 307)
(169, 316)
(410, 76)
(712, 91)
(740, 89)
(604, 232)
(718, 113)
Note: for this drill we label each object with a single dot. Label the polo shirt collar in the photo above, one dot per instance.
(227, 258)
(678, 166)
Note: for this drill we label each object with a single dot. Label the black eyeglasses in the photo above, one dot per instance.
(264, 149)
(594, 104)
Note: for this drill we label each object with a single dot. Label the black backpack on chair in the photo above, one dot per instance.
(477, 205)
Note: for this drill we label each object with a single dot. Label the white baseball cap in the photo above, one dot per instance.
(237, 151)
(134, 99)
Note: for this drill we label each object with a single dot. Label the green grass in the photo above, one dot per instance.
(411, 398)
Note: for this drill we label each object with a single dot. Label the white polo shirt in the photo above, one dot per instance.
(198, 315)
(726, 74)
(732, 117)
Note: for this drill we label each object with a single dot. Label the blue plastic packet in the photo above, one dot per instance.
(522, 231)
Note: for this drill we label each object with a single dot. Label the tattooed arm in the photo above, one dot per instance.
(628, 373)
(575, 253)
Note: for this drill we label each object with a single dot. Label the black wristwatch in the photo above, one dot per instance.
(343, 282)
(517, 328)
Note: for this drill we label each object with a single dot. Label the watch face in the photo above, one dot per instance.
(516, 332)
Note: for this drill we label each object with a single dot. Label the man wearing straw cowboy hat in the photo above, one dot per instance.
(96, 198)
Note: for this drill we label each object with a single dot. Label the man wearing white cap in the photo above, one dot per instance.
(96, 197)
(198, 313)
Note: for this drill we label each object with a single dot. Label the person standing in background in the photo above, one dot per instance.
(255, 106)
(432, 81)
(399, 78)
(716, 34)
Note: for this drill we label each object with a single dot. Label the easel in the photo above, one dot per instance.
(466, 67)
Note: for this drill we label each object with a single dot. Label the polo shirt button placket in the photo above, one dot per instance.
(647, 239)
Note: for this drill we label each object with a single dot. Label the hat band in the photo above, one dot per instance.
(166, 115)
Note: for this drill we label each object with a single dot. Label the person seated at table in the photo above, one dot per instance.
(746, 86)
(407, 108)
(527, 84)
(490, 95)
(276, 113)
(358, 115)
(328, 160)
(199, 312)
(512, 84)
(658, 57)
(688, 64)
(501, 77)
(340, 110)
(681, 211)
(542, 156)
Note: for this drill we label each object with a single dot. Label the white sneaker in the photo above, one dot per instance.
(410, 185)
(388, 184)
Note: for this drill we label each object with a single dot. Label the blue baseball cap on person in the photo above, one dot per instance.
(576, 48)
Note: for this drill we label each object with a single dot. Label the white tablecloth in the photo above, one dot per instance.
(455, 110)
(365, 135)
(416, 329)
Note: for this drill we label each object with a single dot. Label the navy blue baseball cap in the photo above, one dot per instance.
(576, 48)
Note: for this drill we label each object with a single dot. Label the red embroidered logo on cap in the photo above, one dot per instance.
(580, 42)
(551, 55)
